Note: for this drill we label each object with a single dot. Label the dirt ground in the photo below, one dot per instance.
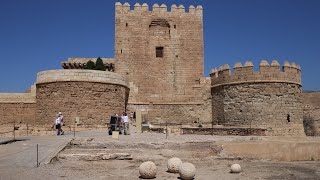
(207, 168)
(205, 152)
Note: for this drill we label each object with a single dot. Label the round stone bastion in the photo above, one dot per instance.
(270, 98)
(91, 95)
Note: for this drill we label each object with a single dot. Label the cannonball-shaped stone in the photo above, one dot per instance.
(235, 168)
(148, 170)
(187, 171)
(173, 164)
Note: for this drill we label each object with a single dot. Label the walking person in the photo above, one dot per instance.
(125, 121)
(61, 122)
(58, 125)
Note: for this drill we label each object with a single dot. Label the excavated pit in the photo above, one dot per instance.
(260, 157)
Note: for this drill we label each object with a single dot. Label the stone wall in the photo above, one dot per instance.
(225, 131)
(311, 113)
(273, 101)
(184, 113)
(176, 76)
(175, 114)
(67, 75)
(93, 96)
(21, 113)
(290, 73)
(18, 107)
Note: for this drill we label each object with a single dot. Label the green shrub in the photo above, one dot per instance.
(90, 65)
(99, 65)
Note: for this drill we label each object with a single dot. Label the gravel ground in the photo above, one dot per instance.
(203, 151)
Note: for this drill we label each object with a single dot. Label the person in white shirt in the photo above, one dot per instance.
(125, 121)
(61, 122)
(58, 125)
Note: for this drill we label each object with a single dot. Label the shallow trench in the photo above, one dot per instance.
(212, 159)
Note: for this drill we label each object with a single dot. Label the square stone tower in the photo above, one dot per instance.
(160, 51)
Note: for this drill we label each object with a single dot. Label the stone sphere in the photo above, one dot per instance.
(235, 168)
(148, 170)
(173, 164)
(187, 171)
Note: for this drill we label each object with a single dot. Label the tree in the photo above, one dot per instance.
(99, 65)
(90, 65)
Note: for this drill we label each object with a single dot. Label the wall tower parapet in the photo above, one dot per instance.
(156, 8)
(80, 75)
(290, 73)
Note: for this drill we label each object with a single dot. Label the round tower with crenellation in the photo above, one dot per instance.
(269, 98)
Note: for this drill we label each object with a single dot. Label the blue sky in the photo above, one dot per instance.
(35, 35)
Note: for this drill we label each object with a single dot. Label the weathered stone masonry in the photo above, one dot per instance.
(311, 113)
(270, 98)
(18, 108)
(90, 95)
(173, 83)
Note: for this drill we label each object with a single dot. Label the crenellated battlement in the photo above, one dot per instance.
(156, 8)
(289, 73)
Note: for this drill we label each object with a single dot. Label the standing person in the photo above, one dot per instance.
(125, 120)
(61, 122)
(58, 124)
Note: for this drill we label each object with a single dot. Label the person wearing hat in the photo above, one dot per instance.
(58, 124)
(60, 116)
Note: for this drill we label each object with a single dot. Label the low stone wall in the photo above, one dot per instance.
(93, 96)
(292, 149)
(224, 131)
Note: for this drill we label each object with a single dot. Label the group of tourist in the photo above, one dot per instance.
(124, 121)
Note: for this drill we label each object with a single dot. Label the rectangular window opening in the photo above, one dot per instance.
(159, 52)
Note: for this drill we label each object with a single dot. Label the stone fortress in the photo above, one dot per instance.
(158, 69)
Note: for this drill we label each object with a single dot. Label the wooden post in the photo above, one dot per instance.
(14, 129)
(212, 127)
(37, 155)
(166, 129)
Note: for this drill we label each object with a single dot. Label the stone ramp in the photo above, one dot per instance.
(23, 153)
